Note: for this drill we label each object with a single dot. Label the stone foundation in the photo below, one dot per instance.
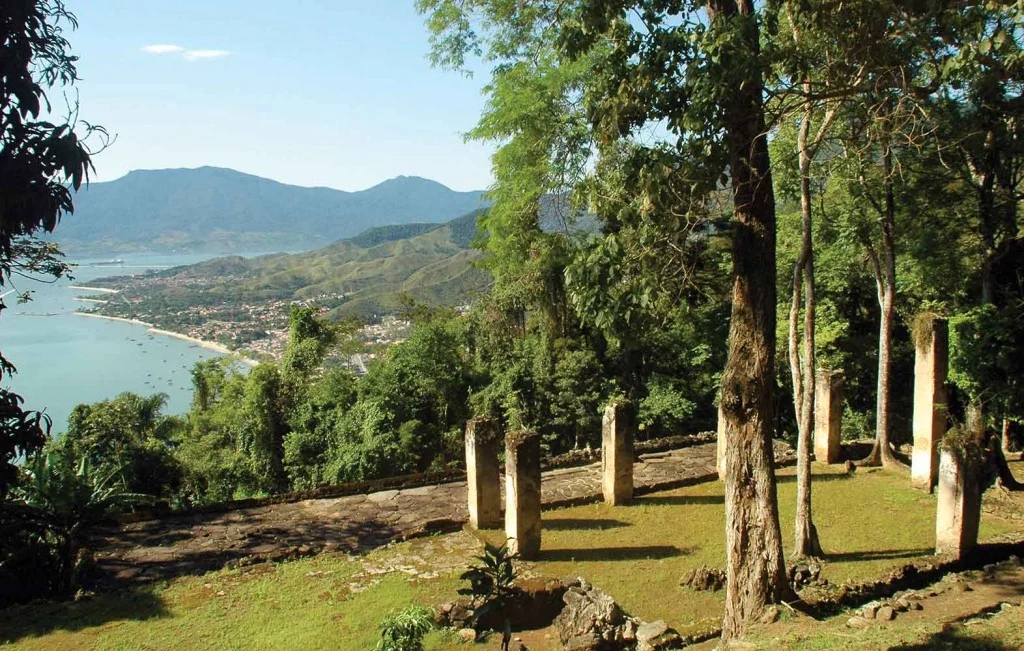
(828, 415)
(482, 479)
(959, 509)
(930, 366)
(522, 493)
(617, 435)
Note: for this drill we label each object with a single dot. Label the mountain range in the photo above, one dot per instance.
(210, 209)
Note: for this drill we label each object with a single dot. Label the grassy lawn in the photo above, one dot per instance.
(867, 523)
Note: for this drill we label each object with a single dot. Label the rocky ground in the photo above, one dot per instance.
(196, 543)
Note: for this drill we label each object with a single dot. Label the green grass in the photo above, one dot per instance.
(867, 523)
(304, 604)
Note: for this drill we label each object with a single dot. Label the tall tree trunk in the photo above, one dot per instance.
(755, 569)
(806, 540)
(884, 266)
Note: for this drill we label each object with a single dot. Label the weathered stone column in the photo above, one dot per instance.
(828, 415)
(617, 433)
(959, 508)
(522, 493)
(930, 364)
(483, 483)
(720, 458)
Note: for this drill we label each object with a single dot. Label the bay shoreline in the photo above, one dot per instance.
(209, 345)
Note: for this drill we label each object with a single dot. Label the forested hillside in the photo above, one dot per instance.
(367, 276)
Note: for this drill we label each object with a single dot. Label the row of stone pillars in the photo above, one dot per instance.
(959, 503)
(522, 517)
(930, 368)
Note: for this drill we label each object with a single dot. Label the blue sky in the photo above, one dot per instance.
(337, 93)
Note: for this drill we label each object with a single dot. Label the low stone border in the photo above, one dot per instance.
(570, 459)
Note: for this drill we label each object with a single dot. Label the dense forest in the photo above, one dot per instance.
(855, 170)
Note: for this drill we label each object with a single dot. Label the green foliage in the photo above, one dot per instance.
(130, 436)
(404, 630)
(986, 354)
(41, 165)
(665, 408)
(67, 496)
(491, 581)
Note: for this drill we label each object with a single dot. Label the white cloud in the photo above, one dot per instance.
(163, 48)
(196, 55)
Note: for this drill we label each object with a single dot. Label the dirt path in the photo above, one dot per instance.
(197, 543)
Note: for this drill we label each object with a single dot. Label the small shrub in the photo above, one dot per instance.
(404, 630)
(491, 585)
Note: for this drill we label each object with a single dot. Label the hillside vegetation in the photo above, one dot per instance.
(366, 275)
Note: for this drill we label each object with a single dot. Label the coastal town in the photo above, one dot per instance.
(254, 331)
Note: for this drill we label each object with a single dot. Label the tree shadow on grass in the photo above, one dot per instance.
(612, 553)
(955, 639)
(815, 477)
(682, 500)
(879, 554)
(37, 619)
(571, 524)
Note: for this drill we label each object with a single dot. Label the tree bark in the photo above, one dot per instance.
(755, 569)
(884, 266)
(806, 535)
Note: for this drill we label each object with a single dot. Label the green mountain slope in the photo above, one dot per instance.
(367, 275)
(213, 209)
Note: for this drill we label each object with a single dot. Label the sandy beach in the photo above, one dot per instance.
(91, 300)
(115, 318)
(209, 345)
(86, 288)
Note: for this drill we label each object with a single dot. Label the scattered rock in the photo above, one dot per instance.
(858, 622)
(869, 611)
(1014, 559)
(916, 605)
(583, 643)
(467, 635)
(588, 613)
(804, 573)
(654, 636)
(885, 614)
(704, 578)
(651, 630)
(902, 604)
(770, 615)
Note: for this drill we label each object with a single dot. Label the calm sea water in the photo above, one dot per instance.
(64, 359)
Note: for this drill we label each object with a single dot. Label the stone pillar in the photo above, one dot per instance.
(828, 415)
(483, 484)
(930, 364)
(522, 493)
(617, 432)
(720, 458)
(959, 509)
